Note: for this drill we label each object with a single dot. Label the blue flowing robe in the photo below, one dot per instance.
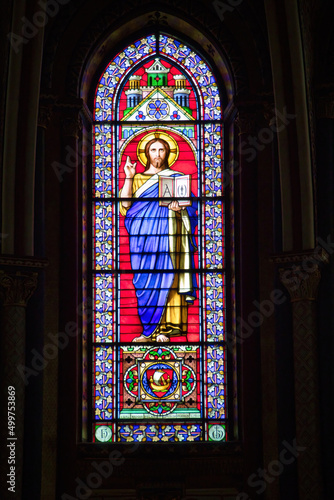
(148, 226)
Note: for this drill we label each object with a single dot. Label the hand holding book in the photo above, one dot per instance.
(175, 206)
(174, 192)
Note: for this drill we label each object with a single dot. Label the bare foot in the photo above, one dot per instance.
(142, 338)
(162, 338)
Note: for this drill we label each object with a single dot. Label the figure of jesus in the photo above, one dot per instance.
(162, 247)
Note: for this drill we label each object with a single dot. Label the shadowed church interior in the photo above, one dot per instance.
(246, 89)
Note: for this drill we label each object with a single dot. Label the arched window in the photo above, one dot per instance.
(158, 260)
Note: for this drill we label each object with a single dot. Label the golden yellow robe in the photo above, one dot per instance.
(174, 318)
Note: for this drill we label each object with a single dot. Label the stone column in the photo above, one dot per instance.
(87, 152)
(301, 275)
(288, 70)
(69, 296)
(269, 222)
(11, 133)
(35, 329)
(16, 288)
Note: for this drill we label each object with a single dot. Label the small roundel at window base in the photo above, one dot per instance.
(217, 432)
(103, 433)
(158, 254)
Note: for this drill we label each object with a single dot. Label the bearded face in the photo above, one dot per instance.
(157, 154)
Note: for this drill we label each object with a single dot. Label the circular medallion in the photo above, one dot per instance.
(216, 432)
(103, 433)
(160, 380)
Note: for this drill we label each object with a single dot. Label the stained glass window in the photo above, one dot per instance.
(158, 260)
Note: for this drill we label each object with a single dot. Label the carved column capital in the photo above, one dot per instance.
(300, 273)
(246, 121)
(16, 289)
(301, 285)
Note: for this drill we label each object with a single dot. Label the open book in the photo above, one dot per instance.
(175, 188)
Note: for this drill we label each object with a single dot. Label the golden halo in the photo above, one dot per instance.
(158, 134)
